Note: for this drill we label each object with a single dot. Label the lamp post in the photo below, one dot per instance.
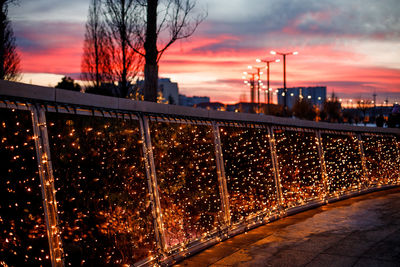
(268, 88)
(258, 73)
(284, 74)
(251, 83)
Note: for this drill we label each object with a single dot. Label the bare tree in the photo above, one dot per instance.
(120, 17)
(173, 19)
(9, 58)
(135, 28)
(364, 106)
(304, 109)
(331, 110)
(96, 65)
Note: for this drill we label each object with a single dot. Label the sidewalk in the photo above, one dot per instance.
(362, 231)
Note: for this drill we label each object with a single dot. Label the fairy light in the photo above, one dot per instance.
(249, 172)
(22, 224)
(187, 179)
(382, 160)
(299, 166)
(104, 206)
(343, 163)
(104, 209)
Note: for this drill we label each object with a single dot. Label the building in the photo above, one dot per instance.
(315, 94)
(192, 101)
(168, 90)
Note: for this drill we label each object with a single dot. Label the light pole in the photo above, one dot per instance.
(284, 74)
(258, 72)
(268, 88)
(250, 82)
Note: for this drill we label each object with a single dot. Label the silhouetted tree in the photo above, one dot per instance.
(96, 65)
(303, 109)
(332, 109)
(121, 22)
(380, 121)
(156, 18)
(363, 106)
(349, 116)
(68, 83)
(9, 58)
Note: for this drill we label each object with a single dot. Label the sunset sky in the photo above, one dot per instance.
(351, 46)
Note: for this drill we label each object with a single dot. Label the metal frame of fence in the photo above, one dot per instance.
(165, 255)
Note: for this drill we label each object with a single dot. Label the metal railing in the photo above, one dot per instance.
(143, 183)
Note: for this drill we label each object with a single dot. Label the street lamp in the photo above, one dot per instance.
(259, 72)
(251, 83)
(284, 74)
(268, 62)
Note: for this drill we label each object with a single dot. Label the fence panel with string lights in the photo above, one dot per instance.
(94, 180)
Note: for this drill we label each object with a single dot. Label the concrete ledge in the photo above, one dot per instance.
(78, 98)
(48, 94)
(187, 111)
(151, 107)
(27, 91)
(127, 104)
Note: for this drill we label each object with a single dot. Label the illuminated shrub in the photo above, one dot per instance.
(382, 160)
(343, 163)
(102, 192)
(249, 172)
(23, 236)
(299, 167)
(184, 156)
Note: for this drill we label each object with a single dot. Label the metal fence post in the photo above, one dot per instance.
(363, 161)
(223, 189)
(152, 183)
(275, 165)
(397, 145)
(322, 162)
(47, 185)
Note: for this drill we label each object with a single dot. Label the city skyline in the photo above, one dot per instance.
(350, 47)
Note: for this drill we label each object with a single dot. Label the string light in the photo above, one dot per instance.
(104, 209)
(187, 179)
(343, 163)
(249, 172)
(23, 237)
(299, 166)
(382, 159)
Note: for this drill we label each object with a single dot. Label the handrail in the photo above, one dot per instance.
(59, 96)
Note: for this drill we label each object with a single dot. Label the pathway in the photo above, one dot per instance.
(361, 231)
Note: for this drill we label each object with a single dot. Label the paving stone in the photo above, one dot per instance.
(343, 236)
(396, 215)
(375, 263)
(332, 261)
(388, 249)
(349, 247)
(214, 254)
(377, 234)
(290, 258)
(318, 242)
(244, 240)
(238, 257)
(273, 242)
